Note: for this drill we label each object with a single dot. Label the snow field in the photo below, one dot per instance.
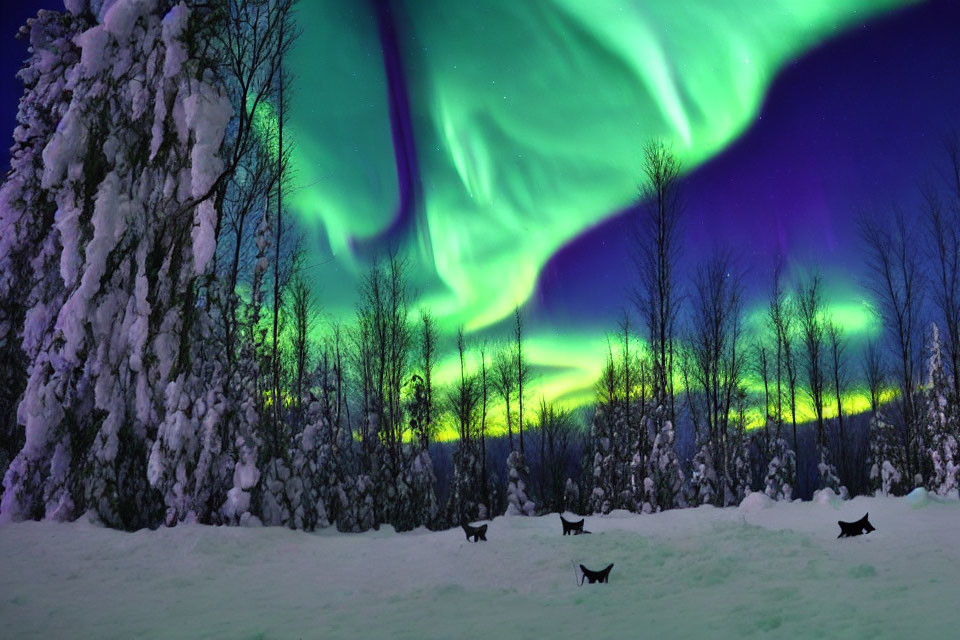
(765, 569)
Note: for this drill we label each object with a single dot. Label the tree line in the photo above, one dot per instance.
(166, 361)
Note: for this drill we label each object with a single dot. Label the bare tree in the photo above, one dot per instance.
(896, 280)
(384, 344)
(243, 204)
(943, 242)
(762, 364)
(555, 431)
(873, 374)
(522, 369)
(781, 321)
(303, 310)
(282, 269)
(484, 397)
(812, 325)
(627, 369)
(718, 359)
(251, 45)
(462, 400)
(428, 349)
(656, 257)
(792, 368)
(504, 381)
(838, 349)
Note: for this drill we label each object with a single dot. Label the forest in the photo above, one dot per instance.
(166, 359)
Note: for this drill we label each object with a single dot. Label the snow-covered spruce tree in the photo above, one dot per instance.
(737, 484)
(945, 460)
(887, 460)
(781, 471)
(422, 482)
(704, 484)
(361, 489)
(827, 472)
(640, 482)
(29, 257)
(619, 448)
(245, 443)
(627, 446)
(132, 168)
(663, 486)
(518, 502)
(248, 392)
(604, 464)
(189, 461)
(943, 423)
(423, 509)
(305, 488)
(350, 504)
(278, 489)
(467, 500)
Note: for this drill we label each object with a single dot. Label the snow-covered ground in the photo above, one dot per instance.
(763, 569)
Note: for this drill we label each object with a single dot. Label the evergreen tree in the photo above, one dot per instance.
(663, 486)
(518, 502)
(422, 479)
(703, 479)
(29, 254)
(604, 464)
(306, 488)
(828, 478)
(943, 425)
(781, 470)
(887, 461)
(132, 167)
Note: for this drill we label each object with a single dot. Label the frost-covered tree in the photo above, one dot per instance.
(893, 259)
(704, 483)
(136, 119)
(617, 435)
(189, 461)
(739, 468)
(421, 502)
(781, 471)
(518, 502)
(467, 495)
(739, 447)
(604, 464)
(713, 368)
(887, 464)
(827, 474)
(306, 489)
(132, 167)
(247, 394)
(943, 422)
(887, 459)
(29, 254)
(663, 486)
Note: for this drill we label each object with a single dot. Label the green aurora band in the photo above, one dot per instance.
(528, 117)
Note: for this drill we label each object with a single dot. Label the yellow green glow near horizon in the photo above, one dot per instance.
(528, 119)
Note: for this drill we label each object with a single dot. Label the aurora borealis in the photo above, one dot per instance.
(517, 125)
(496, 145)
(481, 138)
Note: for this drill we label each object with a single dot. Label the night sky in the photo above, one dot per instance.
(497, 145)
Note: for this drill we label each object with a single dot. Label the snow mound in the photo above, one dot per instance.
(919, 498)
(756, 501)
(827, 497)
